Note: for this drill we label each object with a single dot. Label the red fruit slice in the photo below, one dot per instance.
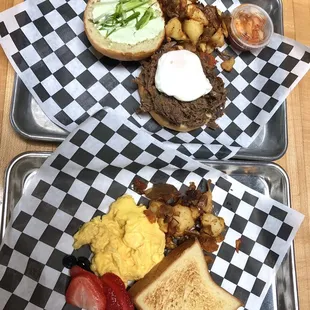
(76, 271)
(85, 292)
(117, 297)
(111, 299)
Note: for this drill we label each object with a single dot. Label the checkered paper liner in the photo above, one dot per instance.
(47, 46)
(97, 164)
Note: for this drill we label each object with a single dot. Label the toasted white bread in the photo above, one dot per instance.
(115, 50)
(181, 281)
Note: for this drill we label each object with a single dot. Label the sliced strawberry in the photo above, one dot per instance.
(111, 299)
(86, 292)
(117, 297)
(76, 271)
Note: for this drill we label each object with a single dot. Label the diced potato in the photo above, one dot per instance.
(193, 29)
(193, 12)
(228, 65)
(224, 29)
(162, 225)
(212, 225)
(169, 243)
(182, 5)
(183, 216)
(208, 207)
(195, 213)
(209, 49)
(203, 47)
(218, 38)
(154, 206)
(174, 30)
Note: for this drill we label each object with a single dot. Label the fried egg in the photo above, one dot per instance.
(180, 74)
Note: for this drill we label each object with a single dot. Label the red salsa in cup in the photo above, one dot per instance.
(251, 27)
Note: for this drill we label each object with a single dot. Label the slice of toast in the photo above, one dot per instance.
(181, 281)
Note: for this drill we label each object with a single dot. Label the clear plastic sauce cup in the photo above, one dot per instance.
(251, 27)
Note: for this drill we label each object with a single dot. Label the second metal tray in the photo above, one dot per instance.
(266, 178)
(28, 119)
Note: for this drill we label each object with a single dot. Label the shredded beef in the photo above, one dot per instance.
(204, 110)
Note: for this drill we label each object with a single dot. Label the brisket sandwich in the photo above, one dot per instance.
(173, 113)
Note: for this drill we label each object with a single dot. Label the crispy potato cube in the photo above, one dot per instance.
(209, 49)
(195, 213)
(224, 29)
(174, 30)
(193, 12)
(218, 38)
(212, 224)
(162, 225)
(193, 29)
(183, 216)
(228, 64)
(155, 205)
(203, 47)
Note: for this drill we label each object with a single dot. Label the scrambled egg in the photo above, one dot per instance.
(124, 241)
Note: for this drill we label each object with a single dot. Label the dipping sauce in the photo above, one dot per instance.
(251, 27)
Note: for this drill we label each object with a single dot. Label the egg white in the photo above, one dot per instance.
(180, 74)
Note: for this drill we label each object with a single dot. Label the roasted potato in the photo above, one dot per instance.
(212, 225)
(206, 48)
(203, 47)
(218, 38)
(193, 30)
(183, 217)
(162, 225)
(224, 29)
(228, 64)
(154, 206)
(193, 12)
(174, 30)
(195, 213)
(209, 205)
(169, 243)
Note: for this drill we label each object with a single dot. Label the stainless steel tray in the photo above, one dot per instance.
(266, 178)
(28, 119)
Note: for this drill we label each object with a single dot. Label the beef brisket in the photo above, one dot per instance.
(204, 110)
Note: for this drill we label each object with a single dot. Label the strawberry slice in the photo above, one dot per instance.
(117, 298)
(86, 292)
(76, 271)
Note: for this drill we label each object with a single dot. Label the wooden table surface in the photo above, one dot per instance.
(296, 162)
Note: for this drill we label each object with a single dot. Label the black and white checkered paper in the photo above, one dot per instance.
(97, 164)
(47, 46)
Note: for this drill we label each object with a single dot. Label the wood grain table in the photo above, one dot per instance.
(296, 161)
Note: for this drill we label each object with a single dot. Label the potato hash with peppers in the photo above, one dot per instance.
(181, 216)
(197, 27)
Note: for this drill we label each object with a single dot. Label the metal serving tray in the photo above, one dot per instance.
(266, 178)
(28, 119)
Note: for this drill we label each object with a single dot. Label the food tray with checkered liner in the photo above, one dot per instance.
(266, 178)
(70, 81)
(98, 163)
